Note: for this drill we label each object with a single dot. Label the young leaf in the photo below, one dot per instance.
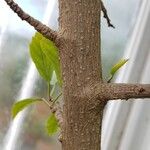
(20, 105)
(51, 52)
(52, 125)
(117, 66)
(39, 58)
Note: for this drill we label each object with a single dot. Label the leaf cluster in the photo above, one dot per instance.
(45, 56)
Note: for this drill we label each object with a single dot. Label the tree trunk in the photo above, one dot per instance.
(81, 66)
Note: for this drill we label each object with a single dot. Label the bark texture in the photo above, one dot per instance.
(114, 91)
(79, 24)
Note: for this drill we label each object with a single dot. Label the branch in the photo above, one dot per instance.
(127, 91)
(104, 10)
(43, 29)
(113, 91)
(57, 111)
(58, 114)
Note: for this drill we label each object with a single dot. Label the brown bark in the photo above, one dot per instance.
(79, 24)
(127, 91)
(114, 91)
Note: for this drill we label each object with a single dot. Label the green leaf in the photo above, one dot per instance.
(52, 125)
(117, 66)
(20, 105)
(51, 52)
(39, 58)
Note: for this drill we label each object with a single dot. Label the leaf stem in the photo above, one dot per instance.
(46, 102)
(109, 79)
(57, 98)
(48, 91)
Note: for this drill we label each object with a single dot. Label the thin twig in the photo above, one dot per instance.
(57, 98)
(46, 102)
(104, 10)
(109, 79)
(40, 27)
(56, 110)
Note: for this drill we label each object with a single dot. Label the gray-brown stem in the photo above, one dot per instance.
(104, 10)
(127, 91)
(79, 24)
(43, 29)
(113, 91)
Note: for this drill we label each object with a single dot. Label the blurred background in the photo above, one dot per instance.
(127, 128)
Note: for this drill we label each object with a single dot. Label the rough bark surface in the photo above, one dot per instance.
(114, 91)
(80, 59)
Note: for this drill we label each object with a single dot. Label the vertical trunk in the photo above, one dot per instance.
(81, 66)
